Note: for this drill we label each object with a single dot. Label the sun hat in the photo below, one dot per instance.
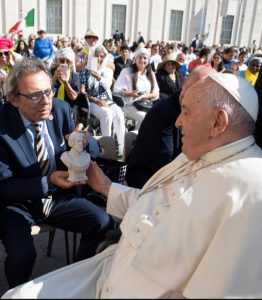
(166, 58)
(144, 51)
(91, 32)
(242, 91)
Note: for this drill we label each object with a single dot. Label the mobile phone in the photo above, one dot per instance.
(64, 68)
(140, 93)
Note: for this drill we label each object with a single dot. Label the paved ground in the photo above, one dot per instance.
(43, 263)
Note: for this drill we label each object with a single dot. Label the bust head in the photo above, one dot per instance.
(75, 141)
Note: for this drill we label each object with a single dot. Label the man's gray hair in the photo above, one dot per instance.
(22, 67)
(216, 96)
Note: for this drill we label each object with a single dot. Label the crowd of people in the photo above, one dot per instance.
(189, 214)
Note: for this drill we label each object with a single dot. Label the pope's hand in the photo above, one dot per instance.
(97, 180)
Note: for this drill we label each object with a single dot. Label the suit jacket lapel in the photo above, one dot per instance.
(55, 135)
(21, 136)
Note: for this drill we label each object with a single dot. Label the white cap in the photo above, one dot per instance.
(66, 53)
(144, 51)
(41, 29)
(242, 91)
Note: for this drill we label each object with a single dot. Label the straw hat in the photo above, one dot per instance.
(167, 58)
(91, 32)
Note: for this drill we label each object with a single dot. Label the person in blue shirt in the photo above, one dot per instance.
(43, 48)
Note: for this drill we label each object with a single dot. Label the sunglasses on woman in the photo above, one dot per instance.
(6, 53)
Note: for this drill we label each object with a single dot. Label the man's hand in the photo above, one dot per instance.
(60, 179)
(97, 180)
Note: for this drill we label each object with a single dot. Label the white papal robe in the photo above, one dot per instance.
(197, 234)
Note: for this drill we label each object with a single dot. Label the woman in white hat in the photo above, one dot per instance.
(91, 41)
(135, 83)
(64, 79)
(96, 83)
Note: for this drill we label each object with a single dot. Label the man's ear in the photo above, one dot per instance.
(220, 122)
(13, 100)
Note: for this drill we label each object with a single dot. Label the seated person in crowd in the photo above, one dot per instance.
(217, 62)
(168, 77)
(65, 81)
(155, 57)
(7, 59)
(194, 230)
(203, 59)
(242, 60)
(229, 58)
(181, 60)
(91, 41)
(158, 141)
(252, 71)
(122, 61)
(22, 48)
(43, 48)
(33, 180)
(135, 83)
(96, 84)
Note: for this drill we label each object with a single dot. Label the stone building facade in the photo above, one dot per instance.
(235, 22)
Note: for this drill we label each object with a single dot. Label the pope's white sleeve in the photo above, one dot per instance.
(119, 199)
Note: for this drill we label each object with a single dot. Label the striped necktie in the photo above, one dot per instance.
(43, 159)
(41, 150)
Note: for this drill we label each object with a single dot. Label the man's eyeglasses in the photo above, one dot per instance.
(64, 60)
(38, 96)
(6, 53)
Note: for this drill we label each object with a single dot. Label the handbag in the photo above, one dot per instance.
(143, 105)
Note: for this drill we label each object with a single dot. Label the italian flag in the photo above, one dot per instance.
(28, 21)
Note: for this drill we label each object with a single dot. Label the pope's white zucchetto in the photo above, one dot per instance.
(242, 91)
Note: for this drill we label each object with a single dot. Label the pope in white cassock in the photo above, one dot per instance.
(194, 230)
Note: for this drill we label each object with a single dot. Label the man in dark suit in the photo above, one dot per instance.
(33, 183)
(117, 36)
(122, 61)
(197, 43)
(258, 87)
(158, 141)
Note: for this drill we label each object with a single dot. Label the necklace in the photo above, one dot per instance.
(166, 180)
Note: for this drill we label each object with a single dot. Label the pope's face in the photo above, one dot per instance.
(195, 122)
